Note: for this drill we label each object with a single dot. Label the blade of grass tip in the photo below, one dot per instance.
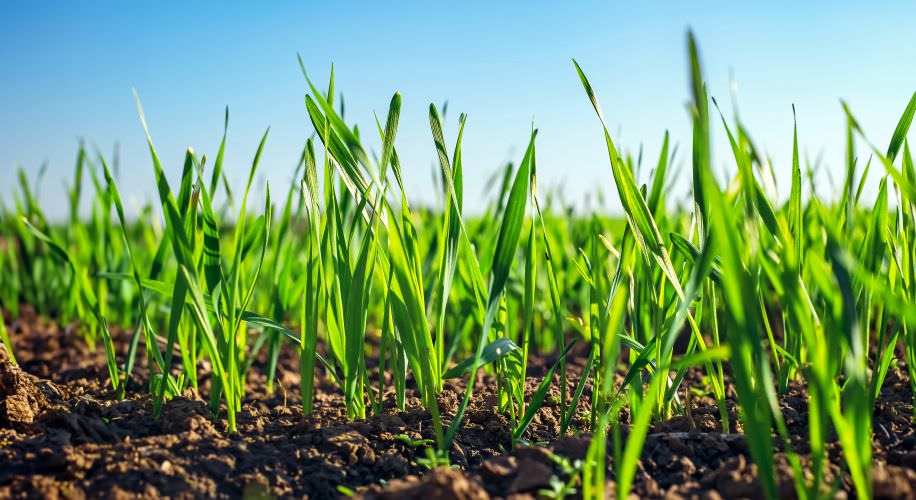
(658, 181)
(310, 178)
(903, 126)
(750, 187)
(903, 182)
(453, 184)
(391, 130)
(186, 189)
(634, 204)
(701, 136)
(451, 224)
(350, 139)
(342, 159)
(795, 202)
(218, 164)
(77, 189)
(862, 181)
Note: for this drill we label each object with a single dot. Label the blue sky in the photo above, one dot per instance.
(66, 72)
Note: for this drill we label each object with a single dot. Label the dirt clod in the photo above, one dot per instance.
(443, 482)
(531, 475)
(20, 398)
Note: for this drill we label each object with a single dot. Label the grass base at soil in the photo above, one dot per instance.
(63, 434)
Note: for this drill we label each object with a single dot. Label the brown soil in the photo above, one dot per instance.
(63, 434)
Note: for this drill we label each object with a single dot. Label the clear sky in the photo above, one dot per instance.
(67, 69)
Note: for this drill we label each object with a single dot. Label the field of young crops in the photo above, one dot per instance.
(336, 339)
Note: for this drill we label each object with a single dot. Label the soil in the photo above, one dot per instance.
(64, 434)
